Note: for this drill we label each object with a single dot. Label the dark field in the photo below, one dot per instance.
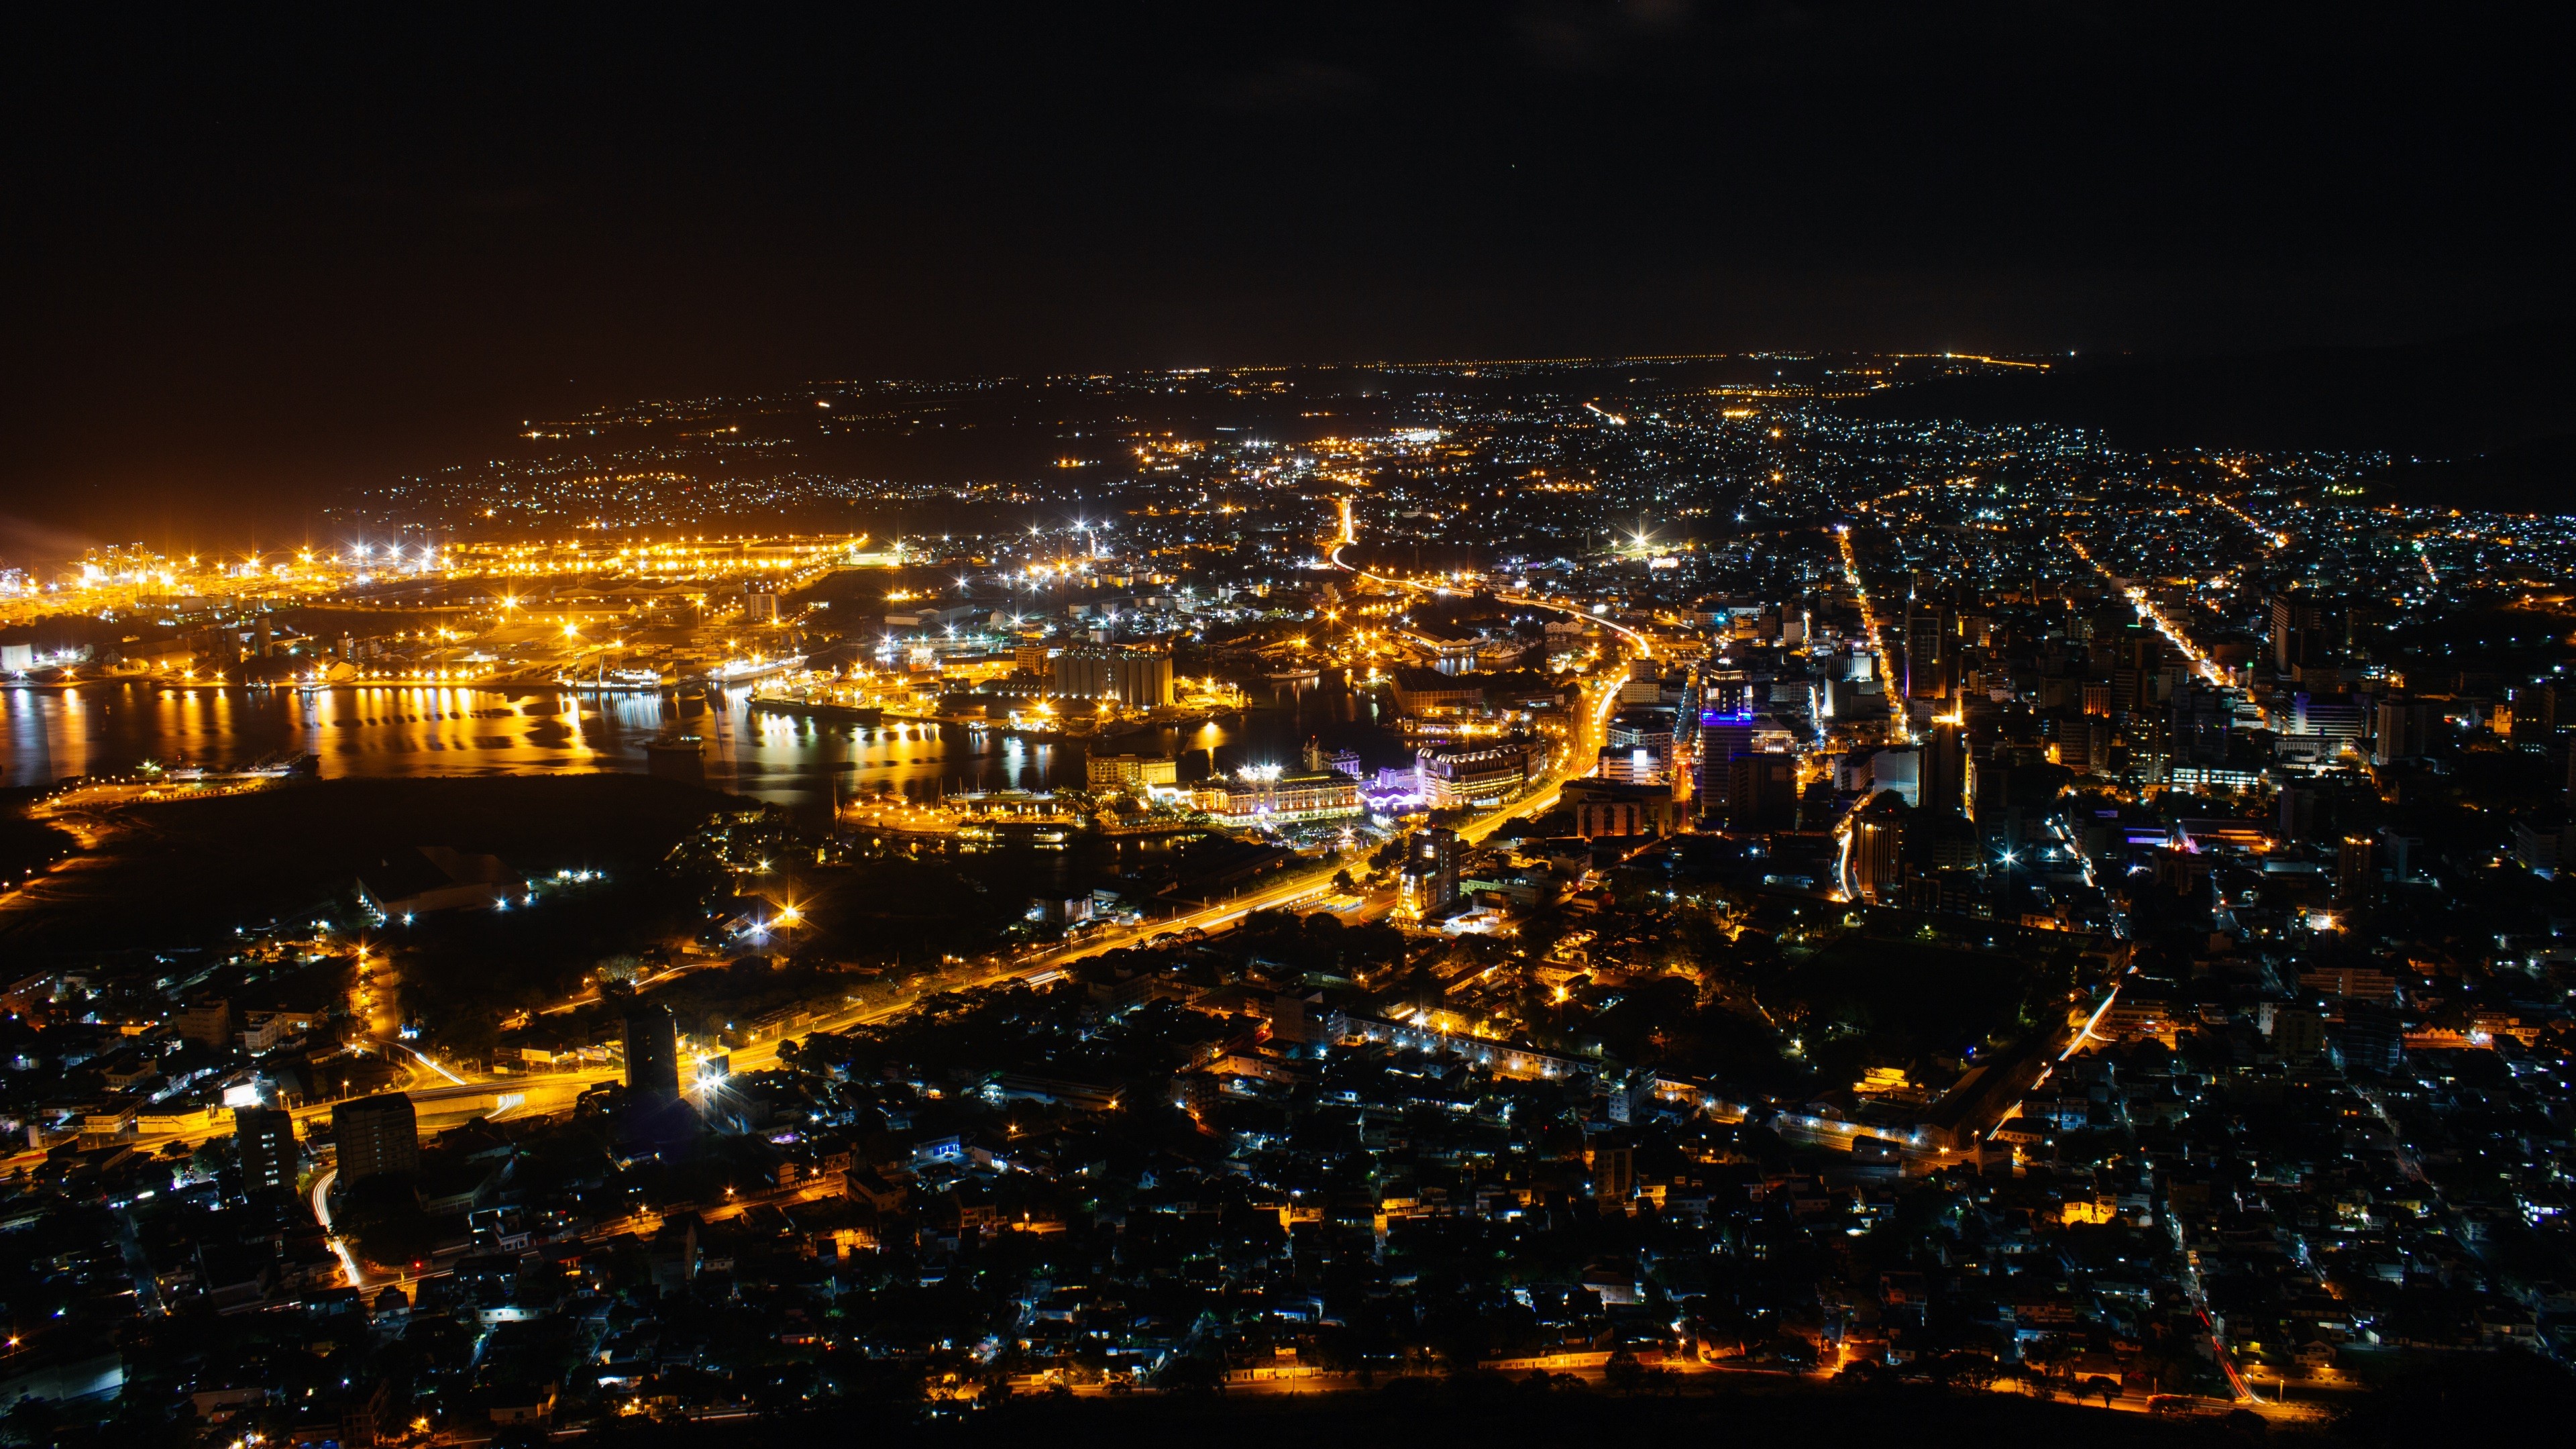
(183, 872)
(1745, 1410)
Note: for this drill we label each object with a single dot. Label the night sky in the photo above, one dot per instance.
(253, 261)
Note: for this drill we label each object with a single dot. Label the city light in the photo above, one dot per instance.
(1648, 795)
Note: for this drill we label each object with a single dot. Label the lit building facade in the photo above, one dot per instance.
(1455, 779)
(1428, 884)
(1271, 796)
(1136, 675)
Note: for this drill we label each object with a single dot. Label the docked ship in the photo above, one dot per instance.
(790, 705)
(677, 757)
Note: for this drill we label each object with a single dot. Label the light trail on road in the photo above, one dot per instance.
(432, 1063)
(322, 1215)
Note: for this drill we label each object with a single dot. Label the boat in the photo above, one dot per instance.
(285, 764)
(861, 714)
(676, 757)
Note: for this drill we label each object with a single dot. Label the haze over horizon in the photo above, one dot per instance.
(276, 261)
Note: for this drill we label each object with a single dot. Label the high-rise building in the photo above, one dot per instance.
(2298, 1033)
(377, 1135)
(2335, 720)
(2138, 662)
(1900, 770)
(2297, 634)
(2298, 815)
(264, 1145)
(2356, 870)
(2202, 718)
(1762, 791)
(2373, 1036)
(1926, 655)
(652, 1052)
(1726, 691)
(1942, 772)
(1429, 882)
(1878, 854)
(2404, 727)
(2083, 744)
(2283, 635)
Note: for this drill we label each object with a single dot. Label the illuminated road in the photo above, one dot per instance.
(2137, 597)
(589, 995)
(322, 1214)
(1898, 725)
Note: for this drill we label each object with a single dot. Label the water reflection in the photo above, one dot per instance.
(414, 731)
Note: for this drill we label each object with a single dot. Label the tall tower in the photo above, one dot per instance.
(2356, 871)
(652, 1052)
(1944, 777)
(1927, 673)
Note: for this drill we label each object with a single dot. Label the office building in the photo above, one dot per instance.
(1926, 654)
(1877, 868)
(2298, 821)
(1762, 791)
(2404, 729)
(652, 1052)
(264, 1145)
(2297, 633)
(2356, 871)
(1429, 883)
(1636, 765)
(1942, 770)
(377, 1135)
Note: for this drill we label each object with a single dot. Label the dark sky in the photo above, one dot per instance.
(251, 259)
